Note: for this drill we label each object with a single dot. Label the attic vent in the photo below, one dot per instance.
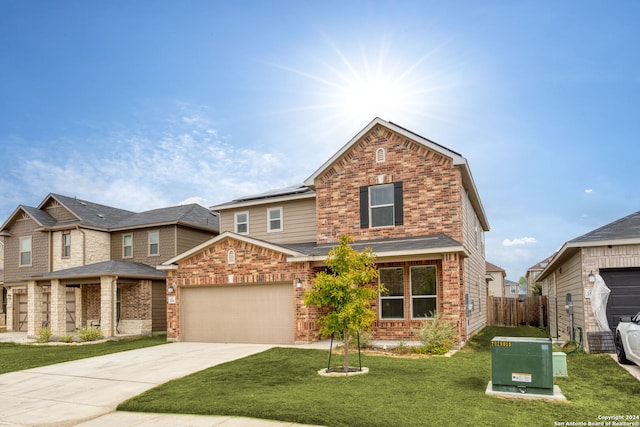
(231, 257)
(380, 155)
(82, 203)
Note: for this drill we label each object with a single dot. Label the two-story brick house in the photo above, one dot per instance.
(414, 202)
(72, 263)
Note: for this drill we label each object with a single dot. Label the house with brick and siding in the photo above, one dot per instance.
(71, 263)
(412, 201)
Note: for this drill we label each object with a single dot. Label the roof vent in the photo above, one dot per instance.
(100, 215)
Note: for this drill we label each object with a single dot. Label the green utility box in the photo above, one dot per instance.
(560, 364)
(522, 365)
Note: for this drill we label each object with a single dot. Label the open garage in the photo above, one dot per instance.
(253, 313)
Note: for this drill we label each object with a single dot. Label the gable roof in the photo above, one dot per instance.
(457, 160)
(493, 267)
(106, 218)
(624, 231)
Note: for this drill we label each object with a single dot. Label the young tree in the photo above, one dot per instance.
(345, 288)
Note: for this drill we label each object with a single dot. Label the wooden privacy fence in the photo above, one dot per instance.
(530, 311)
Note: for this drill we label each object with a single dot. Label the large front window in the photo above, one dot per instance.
(392, 298)
(423, 291)
(25, 251)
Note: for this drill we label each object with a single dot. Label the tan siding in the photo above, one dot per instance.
(39, 248)
(299, 218)
(189, 238)
(158, 307)
(475, 283)
(568, 279)
(59, 212)
(141, 245)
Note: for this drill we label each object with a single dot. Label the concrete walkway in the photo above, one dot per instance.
(86, 392)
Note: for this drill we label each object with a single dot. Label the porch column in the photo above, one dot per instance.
(10, 310)
(34, 308)
(58, 308)
(108, 285)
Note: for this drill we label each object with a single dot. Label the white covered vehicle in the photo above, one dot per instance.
(628, 340)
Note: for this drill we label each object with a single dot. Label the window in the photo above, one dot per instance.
(274, 219)
(242, 222)
(154, 243)
(25, 251)
(127, 246)
(423, 292)
(380, 157)
(66, 244)
(392, 299)
(381, 205)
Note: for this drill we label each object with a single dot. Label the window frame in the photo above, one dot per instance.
(125, 246)
(236, 222)
(425, 296)
(382, 297)
(150, 243)
(381, 206)
(66, 246)
(21, 252)
(365, 209)
(269, 219)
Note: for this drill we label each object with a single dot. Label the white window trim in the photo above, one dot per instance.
(231, 256)
(381, 297)
(149, 243)
(124, 246)
(63, 255)
(275, 230)
(20, 264)
(371, 207)
(411, 296)
(381, 156)
(235, 222)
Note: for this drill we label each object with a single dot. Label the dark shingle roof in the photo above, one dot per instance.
(41, 217)
(294, 190)
(106, 268)
(624, 228)
(380, 245)
(93, 214)
(192, 214)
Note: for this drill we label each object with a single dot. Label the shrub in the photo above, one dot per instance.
(89, 333)
(437, 335)
(66, 338)
(44, 335)
(365, 340)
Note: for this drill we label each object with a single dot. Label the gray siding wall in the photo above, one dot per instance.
(39, 251)
(188, 238)
(475, 266)
(299, 221)
(167, 245)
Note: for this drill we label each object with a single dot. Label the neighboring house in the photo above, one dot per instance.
(3, 291)
(71, 263)
(613, 252)
(495, 278)
(534, 271)
(412, 201)
(511, 289)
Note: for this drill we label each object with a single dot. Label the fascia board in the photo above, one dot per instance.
(383, 256)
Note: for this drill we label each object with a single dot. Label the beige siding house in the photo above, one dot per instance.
(496, 278)
(409, 199)
(72, 263)
(612, 252)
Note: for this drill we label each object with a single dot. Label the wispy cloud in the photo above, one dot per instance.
(177, 161)
(519, 241)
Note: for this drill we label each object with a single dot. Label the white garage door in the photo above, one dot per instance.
(260, 313)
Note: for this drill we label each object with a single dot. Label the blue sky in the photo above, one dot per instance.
(146, 104)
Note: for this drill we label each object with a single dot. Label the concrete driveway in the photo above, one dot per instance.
(69, 393)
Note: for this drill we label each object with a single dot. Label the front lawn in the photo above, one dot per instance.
(283, 384)
(16, 357)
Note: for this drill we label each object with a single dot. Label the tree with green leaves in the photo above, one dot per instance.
(346, 289)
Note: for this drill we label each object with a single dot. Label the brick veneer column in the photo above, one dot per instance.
(58, 311)
(453, 293)
(34, 308)
(108, 285)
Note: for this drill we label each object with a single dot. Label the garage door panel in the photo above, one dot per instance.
(624, 299)
(260, 313)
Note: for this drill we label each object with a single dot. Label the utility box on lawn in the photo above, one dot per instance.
(522, 365)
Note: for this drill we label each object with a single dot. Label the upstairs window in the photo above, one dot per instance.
(381, 205)
(66, 245)
(242, 222)
(127, 246)
(423, 292)
(25, 251)
(274, 219)
(154, 243)
(392, 299)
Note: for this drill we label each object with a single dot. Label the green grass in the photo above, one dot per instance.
(16, 357)
(283, 384)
